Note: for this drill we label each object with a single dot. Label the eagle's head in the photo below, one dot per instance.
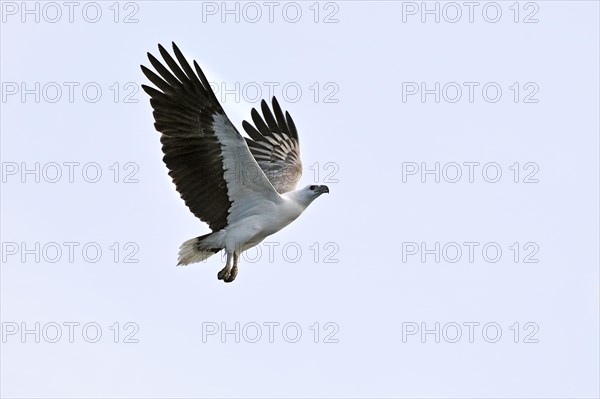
(304, 196)
(315, 191)
(312, 192)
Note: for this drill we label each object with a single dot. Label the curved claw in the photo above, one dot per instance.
(232, 275)
(229, 273)
(224, 273)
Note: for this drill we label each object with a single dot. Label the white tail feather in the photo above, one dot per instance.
(199, 248)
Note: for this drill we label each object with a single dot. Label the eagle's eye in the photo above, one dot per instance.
(312, 187)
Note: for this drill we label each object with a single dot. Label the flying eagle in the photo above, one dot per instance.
(244, 188)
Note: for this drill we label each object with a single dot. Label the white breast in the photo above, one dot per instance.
(268, 219)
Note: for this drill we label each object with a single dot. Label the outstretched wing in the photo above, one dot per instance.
(275, 146)
(209, 161)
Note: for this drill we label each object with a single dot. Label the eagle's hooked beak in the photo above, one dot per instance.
(323, 189)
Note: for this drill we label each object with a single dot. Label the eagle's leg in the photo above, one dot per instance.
(234, 270)
(225, 272)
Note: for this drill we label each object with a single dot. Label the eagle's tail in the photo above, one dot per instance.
(200, 248)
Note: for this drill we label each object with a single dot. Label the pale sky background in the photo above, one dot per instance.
(366, 136)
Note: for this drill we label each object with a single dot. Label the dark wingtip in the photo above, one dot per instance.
(145, 70)
(153, 59)
(275, 103)
(151, 91)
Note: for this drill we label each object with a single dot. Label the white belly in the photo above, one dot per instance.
(251, 230)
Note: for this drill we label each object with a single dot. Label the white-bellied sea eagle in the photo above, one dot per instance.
(244, 188)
